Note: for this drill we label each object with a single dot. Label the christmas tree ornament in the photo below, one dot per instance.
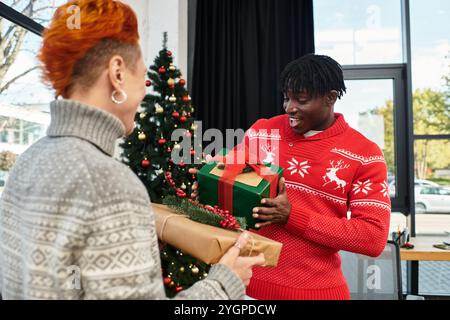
(183, 186)
(148, 83)
(142, 136)
(142, 115)
(183, 119)
(175, 114)
(176, 146)
(178, 289)
(192, 152)
(193, 127)
(158, 108)
(145, 163)
(167, 281)
(205, 275)
(186, 99)
(172, 67)
(172, 284)
(171, 82)
(182, 82)
(169, 150)
(162, 141)
(169, 53)
(181, 269)
(182, 164)
(162, 70)
(188, 134)
(173, 98)
(195, 270)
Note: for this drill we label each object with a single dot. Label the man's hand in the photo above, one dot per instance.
(276, 210)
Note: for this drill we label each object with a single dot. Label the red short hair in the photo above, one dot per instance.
(111, 25)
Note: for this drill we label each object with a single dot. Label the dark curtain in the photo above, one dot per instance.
(241, 47)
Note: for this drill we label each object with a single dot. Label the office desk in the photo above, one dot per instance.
(423, 251)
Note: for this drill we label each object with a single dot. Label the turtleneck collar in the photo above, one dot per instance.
(338, 127)
(74, 119)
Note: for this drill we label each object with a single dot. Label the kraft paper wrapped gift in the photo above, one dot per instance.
(208, 243)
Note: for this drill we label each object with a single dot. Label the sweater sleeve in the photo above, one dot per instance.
(366, 231)
(121, 259)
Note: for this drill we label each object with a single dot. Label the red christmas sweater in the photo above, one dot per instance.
(336, 182)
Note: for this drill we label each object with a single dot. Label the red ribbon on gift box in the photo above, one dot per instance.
(233, 168)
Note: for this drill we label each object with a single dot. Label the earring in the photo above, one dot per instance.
(122, 93)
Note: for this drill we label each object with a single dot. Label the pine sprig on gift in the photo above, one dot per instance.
(205, 214)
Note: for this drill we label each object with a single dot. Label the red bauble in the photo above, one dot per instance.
(183, 119)
(169, 150)
(175, 114)
(192, 152)
(162, 70)
(169, 53)
(186, 99)
(145, 163)
(162, 141)
(171, 86)
(178, 289)
(182, 82)
(148, 83)
(167, 281)
(182, 164)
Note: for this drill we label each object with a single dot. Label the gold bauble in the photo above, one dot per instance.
(182, 269)
(142, 136)
(183, 186)
(171, 82)
(142, 115)
(173, 98)
(172, 67)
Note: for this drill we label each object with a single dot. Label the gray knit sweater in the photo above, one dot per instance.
(77, 224)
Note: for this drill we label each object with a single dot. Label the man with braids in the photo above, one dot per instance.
(330, 169)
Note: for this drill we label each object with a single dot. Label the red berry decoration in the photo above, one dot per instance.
(186, 99)
(175, 114)
(162, 141)
(162, 70)
(167, 281)
(148, 83)
(182, 82)
(145, 163)
(183, 119)
(169, 53)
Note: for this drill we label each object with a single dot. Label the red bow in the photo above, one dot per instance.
(233, 168)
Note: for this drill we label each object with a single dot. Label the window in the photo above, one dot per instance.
(430, 49)
(24, 100)
(359, 31)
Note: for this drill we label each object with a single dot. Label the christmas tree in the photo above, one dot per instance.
(149, 149)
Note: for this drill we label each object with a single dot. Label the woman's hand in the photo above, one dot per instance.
(242, 266)
(276, 210)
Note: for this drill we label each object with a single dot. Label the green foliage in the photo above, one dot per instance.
(198, 214)
(431, 116)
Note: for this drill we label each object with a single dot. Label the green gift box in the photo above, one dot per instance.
(248, 188)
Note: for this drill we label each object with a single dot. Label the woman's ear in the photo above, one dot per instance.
(116, 72)
(332, 97)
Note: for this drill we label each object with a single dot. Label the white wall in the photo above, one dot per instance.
(157, 16)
